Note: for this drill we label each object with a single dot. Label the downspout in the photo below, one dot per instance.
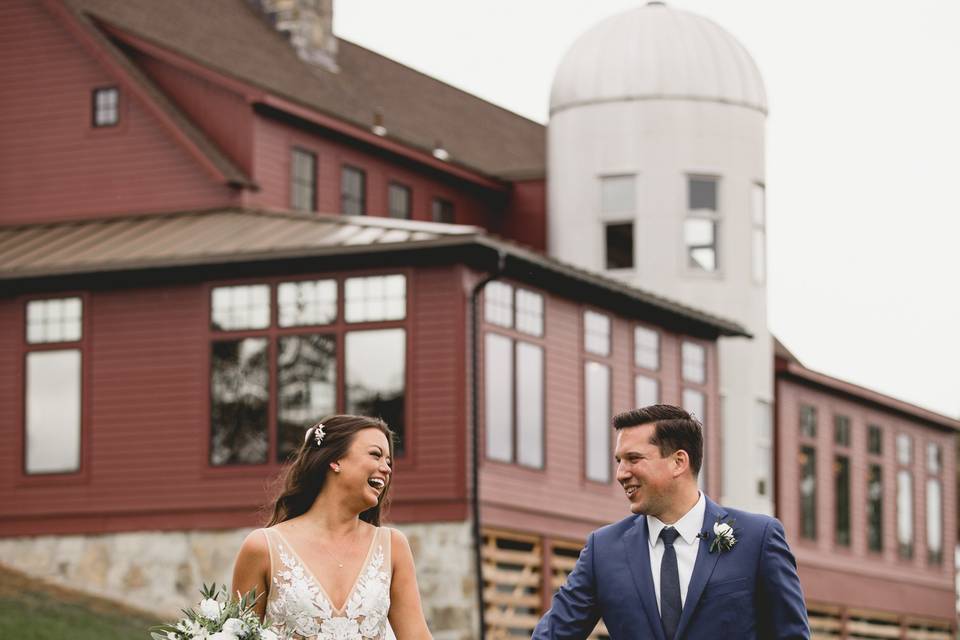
(475, 436)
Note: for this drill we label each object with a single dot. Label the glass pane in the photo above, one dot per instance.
(874, 439)
(55, 320)
(53, 411)
(905, 514)
(498, 396)
(399, 201)
(702, 194)
(442, 210)
(703, 259)
(617, 194)
(375, 298)
(352, 191)
(306, 387)
(695, 403)
(596, 333)
(597, 446)
(619, 245)
(498, 304)
(646, 348)
(841, 497)
(238, 401)
(306, 303)
(808, 492)
(376, 377)
(841, 430)
(699, 232)
(529, 312)
(303, 181)
(808, 421)
(875, 508)
(904, 448)
(240, 307)
(694, 358)
(529, 405)
(934, 521)
(934, 457)
(647, 391)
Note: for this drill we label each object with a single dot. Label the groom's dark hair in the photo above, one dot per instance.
(674, 429)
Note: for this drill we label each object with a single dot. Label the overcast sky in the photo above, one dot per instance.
(862, 150)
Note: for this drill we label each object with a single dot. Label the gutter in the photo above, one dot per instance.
(475, 435)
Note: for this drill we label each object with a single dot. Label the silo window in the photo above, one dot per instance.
(619, 245)
(700, 227)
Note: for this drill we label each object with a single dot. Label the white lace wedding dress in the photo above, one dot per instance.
(298, 604)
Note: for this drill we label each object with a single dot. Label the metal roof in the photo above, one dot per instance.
(237, 235)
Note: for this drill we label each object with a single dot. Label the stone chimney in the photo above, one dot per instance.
(307, 24)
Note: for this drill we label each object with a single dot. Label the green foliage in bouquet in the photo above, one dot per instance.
(218, 618)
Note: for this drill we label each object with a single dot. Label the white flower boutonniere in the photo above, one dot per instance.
(724, 536)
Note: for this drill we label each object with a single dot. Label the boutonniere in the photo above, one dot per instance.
(724, 537)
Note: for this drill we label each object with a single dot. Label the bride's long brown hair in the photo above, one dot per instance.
(304, 478)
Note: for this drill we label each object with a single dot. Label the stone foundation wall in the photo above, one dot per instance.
(163, 571)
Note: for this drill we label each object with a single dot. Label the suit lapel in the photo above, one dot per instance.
(703, 567)
(637, 552)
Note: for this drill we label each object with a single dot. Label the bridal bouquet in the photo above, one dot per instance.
(217, 618)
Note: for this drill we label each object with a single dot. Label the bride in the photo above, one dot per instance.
(329, 570)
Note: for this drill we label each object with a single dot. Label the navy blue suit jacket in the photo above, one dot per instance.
(749, 592)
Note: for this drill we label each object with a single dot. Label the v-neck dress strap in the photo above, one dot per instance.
(299, 606)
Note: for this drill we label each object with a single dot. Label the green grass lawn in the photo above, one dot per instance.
(32, 611)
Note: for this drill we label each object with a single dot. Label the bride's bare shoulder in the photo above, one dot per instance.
(255, 546)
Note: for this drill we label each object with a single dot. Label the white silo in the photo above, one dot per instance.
(656, 177)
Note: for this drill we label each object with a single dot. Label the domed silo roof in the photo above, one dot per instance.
(657, 52)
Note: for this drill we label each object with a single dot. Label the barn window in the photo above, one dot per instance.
(303, 180)
(53, 384)
(353, 191)
(106, 107)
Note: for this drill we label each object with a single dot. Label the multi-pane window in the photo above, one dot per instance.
(596, 333)
(700, 227)
(514, 375)
(618, 243)
(904, 496)
(646, 391)
(303, 180)
(695, 403)
(875, 488)
(841, 480)
(764, 448)
(441, 210)
(841, 430)
(646, 348)
(808, 492)
(375, 298)
(934, 503)
(758, 208)
(597, 444)
(301, 352)
(353, 191)
(399, 200)
(693, 357)
(53, 385)
(106, 107)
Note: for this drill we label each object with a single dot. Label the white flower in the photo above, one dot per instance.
(267, 634)
(722, 529)
(210, 609)
(171, 635)
(233, 626)
(223, 635)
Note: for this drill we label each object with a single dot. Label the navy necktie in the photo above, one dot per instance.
(670, 604)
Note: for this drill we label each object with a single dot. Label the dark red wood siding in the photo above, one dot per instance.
(854, 576)
(147, 424)
(54, 164)
(525, 220)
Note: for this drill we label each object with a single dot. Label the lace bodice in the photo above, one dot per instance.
(298, 603)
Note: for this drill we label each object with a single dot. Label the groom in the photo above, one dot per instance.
(682, 567)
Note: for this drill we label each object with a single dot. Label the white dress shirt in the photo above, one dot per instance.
(686, 546)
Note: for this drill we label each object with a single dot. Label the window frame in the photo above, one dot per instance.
(346, 168)
(62, 478)
(94, 107)
(314, 180)
(515, 336)
(758, 228)
(608, 361)
(876, 459)
(439, 206)
(716, 218)
(807, 440)
(933, 475)
(396, 184)
(339, 328)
